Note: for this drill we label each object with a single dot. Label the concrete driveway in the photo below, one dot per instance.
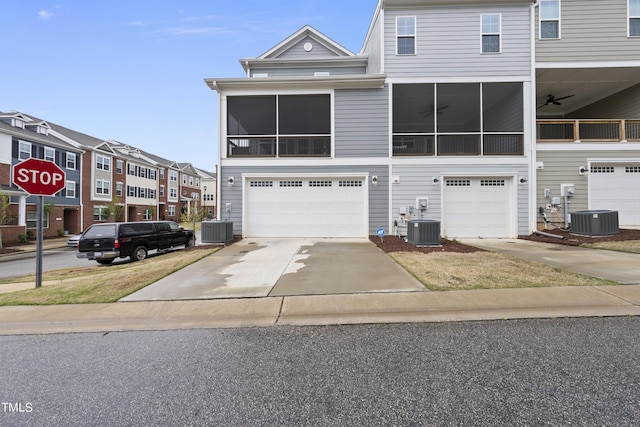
(284, 267)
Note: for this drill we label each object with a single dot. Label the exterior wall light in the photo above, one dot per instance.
(230, 181)
(374, 180)
(524, 180)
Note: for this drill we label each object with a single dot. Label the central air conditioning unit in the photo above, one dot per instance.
(595, 223)
(423, 232)
(217, 231)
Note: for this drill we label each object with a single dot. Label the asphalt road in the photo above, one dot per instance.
(52, 259)
(505, 373)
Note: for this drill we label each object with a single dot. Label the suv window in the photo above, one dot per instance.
(145, 227)
(163, 227)
(174, 226)
(101, 231)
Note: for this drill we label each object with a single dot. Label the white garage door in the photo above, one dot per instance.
(306, 207)
(616, 187)
(477, 207)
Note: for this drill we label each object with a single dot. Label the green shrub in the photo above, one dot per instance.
(31, 235)
(23, 238)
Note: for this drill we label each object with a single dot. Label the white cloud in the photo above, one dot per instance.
(45, 14)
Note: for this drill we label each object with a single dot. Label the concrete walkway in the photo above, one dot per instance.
(620, 267)
(325, 310)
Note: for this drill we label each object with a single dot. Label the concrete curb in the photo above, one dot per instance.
(324, 310)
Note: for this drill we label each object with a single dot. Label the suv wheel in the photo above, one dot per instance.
(139, 253)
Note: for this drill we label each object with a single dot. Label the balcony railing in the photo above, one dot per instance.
(591, 130)
(302, 146)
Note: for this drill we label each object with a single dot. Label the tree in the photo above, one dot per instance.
(5, 201)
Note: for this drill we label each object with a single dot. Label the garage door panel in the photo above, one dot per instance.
(616, 187)
(477, 207)
(310, 207)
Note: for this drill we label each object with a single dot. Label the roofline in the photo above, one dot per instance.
(35, 138)
(248, 63)
(335, 47)
(356, 81)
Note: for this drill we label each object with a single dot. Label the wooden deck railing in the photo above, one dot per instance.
(588, 130)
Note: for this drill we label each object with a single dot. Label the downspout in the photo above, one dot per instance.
(533, 171)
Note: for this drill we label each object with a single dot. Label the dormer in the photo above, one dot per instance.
(41, 127)
(14, 119)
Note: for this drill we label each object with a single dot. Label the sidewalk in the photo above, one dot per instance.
(501, 304)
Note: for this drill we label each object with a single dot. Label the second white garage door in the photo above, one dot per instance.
(306, 207)
(616, 187)
(477, 207)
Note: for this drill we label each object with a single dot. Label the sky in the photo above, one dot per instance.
(134, 70)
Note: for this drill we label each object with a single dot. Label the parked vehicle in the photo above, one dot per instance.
(108, 241)
(72, 242)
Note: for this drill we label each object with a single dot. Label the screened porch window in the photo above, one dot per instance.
(279, 126)
(458, 119)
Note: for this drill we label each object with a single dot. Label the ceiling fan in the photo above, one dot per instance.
(552, 100)
(429, 111)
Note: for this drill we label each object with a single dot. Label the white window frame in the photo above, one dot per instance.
(50, 154)
(173, 193)
(100, 210)
(70, 189)
(184, 179)
(173, 176)
(161, 173)
(558, 20)
(407, 35)
(71, 161)
(119, 166)
(32, 219)
(198, 182)
(103, 162)
(119, 186)
(171, 210)
(103, 187)
(146, 214)
(162, 190)
(22, 145)
(491, 33)
(630, 17)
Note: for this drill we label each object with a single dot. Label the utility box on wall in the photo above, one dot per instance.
(423, 232)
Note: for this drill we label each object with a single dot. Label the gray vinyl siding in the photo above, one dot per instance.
(308, 70)
(297, 51)
(362, 123)
(448, 43)
(561, 167)
(417, 180)
(372, 47)
(622, 105)
(590, 31)
(378, 195)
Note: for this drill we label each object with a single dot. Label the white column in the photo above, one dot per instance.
(22, 210)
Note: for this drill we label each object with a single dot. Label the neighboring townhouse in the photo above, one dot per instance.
(588, 107)
(23, 137)
(190, 192)
(106, 180)
(318, 141)
(209, 185)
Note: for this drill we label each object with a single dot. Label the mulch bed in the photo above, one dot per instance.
(9, 251)
(397, 244)
(576, 240)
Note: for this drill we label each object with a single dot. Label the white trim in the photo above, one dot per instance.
(589, 64)
(487, 161)
(613, 160)
(585, 146)
(308, 162)
(473, 79)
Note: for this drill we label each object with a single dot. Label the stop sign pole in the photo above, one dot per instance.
(39, 178)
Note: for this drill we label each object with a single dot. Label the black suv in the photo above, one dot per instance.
(105, 242)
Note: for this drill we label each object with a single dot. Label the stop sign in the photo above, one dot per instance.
(39, 177)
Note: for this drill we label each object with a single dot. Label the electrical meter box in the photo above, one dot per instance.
(567, 190)
(422, 203)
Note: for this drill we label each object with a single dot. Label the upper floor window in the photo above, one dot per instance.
(279, 125)
(71, 161)
(406, 35)
(491, 30)
(49, 154)
(198, 182)
(634, 18)
(24, 150)
(173, 176)
(119, 186)
(102, 186)
(549, 19)
(70, 188)
(191, 181)
(161, 173)
(119, 166)
(152, 174)
(103, 162)
(184, 179)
